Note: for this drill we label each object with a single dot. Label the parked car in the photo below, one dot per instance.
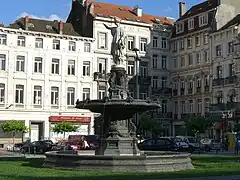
(192, 142)
(210, 144)
(158, 144)
(93, 141)
(183, 146)
(38, 147)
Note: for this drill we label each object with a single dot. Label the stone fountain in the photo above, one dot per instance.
(118, 149)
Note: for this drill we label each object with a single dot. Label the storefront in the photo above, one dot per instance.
(84, 124)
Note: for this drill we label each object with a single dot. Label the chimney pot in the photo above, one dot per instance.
(27, 19)
(60, 27)
(182, 8)
(137, 11)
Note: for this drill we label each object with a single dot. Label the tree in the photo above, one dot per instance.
(63, 127)
(197, 124)
(14, 127)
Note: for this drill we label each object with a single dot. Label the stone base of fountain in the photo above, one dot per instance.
(146, 162)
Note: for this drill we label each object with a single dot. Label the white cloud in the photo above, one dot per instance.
(50, 18)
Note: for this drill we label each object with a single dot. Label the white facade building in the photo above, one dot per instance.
(44, 68)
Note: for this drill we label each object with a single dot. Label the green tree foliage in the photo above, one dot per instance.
(197, 124)
(63, 127)
(14, 127)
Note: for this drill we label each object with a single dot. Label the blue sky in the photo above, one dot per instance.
(59, 9)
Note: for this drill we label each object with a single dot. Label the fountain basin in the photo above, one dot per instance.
(146, 162)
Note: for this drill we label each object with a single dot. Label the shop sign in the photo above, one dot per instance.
(73, 119)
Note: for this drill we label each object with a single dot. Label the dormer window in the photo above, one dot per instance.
(191, 24)
(179, 28)
(203, 20)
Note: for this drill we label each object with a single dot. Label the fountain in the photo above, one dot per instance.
(118, 149)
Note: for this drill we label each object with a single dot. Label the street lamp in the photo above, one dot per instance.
(137, 59)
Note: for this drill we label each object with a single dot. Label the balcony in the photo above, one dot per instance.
(206, 89)
(230, 80)
(162, 115)
(175, 92)
(101, 76)
(190, 91)
(198, 90)
(218, 82)
(182, 91)
(141, 80)
(162, 91)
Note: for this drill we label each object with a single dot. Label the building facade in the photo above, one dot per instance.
(44, 68)
(149, 34)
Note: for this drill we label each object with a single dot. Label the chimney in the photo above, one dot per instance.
(61, 27)
(91, 9)
(137, 11)
(26, 21)
(182, 8)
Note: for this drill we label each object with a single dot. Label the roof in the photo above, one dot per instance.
(200, 8)
(234, 21)
(39, 25)
(125, 13)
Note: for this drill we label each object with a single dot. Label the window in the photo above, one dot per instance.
(20, 64)
(197, 40)
(55, 66)
(86, 93)
(155, 82)
(54, 96)
(143, 71)
(130, 68)
(56, 44)
(2, 93)
(198, 57)
(206, 81)
(205, 39)
(205, 53)
(190, 84)
(71, 67)
(38, 65)
(190, 59)
(164, 106)
(38, 43)
(219, 72)
(198, 83)
(175, 45)
(101, 92)
(164, 62)
(143, 95)
(37, 95)
(182, 107)
(86, 68)
(21, 41)
(190, 24)
(155, 41)
(230, 48)
(176, 107)
(175, 63)
(102, 66)
(164, 43)
(219, 50)
(143, 44)
(181, 44)
(182, 61)
(87, 47)
(231, 70)
(154, 60)
(70, 96)
(19, 94)
(191, 106)
(189, 42)
(207, 105)
(203, 20)
(179, 28)
(219, 97)
(164, 82)
(102, 40)
(2, 62)
(130, 44)
(199, 106)
(182, 84)
(72, 46)
(3, 39)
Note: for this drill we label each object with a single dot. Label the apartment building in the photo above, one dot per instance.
(44, 68)
(149, 34)
(225, 49)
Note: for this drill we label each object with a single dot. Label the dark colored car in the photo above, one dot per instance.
(93, 141)
(37, 147)
(158, 144)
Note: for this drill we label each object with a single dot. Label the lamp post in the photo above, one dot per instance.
(137, 59)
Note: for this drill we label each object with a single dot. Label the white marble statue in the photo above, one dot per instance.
(118, 42)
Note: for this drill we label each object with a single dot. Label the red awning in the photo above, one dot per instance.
(73, 119)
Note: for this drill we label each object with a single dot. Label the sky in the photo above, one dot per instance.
(59, 9)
